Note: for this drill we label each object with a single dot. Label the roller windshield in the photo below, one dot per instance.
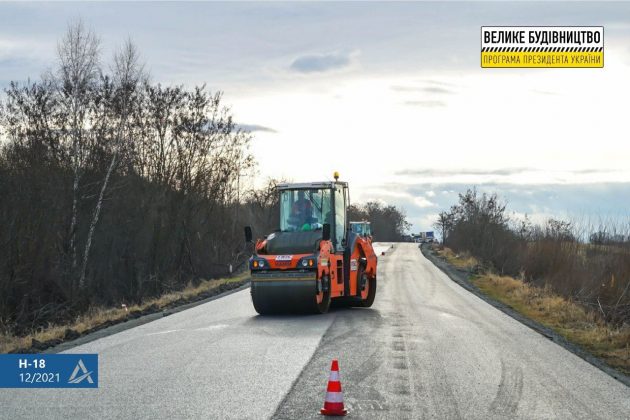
(362, 228)
(304, 209)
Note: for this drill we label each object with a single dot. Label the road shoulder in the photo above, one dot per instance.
(136, 322)
(462, 278)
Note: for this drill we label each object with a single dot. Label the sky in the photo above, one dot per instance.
(389, 94)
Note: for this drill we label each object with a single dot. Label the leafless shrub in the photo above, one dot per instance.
(587, 262)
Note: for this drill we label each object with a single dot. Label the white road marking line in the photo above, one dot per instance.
(164, 332)
(211, 327)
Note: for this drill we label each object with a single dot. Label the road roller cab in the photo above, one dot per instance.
(314, 257)
(363, 228)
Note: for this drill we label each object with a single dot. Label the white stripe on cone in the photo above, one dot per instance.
(334, 397)
(334, 376)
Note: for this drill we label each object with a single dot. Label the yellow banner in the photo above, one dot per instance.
(533, 59)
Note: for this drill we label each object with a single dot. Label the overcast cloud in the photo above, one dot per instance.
(255, 127)
(389, 94)
(321, 62)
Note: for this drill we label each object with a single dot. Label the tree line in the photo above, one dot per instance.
(113, 188)
(388, 222)
(591, 268)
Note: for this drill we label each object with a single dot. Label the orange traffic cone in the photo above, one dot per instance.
(333, 405)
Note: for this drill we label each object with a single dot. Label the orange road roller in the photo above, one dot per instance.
(314, 257)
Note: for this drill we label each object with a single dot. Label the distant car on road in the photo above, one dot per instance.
(424, 238)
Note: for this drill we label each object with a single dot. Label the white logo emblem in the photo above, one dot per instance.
(74, 379)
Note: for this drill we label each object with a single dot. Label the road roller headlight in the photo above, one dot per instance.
(307, 263)
(258, 264)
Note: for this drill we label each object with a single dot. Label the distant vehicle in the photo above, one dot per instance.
(425, 238)
(363, 228)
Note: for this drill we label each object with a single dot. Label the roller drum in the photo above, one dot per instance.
(286, 292)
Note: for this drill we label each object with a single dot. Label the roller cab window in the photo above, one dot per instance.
(340, 219)
(304, 209)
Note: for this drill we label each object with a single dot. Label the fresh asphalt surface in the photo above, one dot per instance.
(426, 349)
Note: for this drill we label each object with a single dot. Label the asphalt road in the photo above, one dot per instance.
(427, 349)
(218, 360)
(430, 349)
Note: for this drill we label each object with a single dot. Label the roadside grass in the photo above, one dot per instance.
(571, 320)
(578, 324)
(99, 316)
(462, 261)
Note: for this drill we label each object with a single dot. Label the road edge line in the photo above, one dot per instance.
(461, 278)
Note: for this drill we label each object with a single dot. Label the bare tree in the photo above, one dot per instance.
(127, 73)
(444, 224)
(77, 74)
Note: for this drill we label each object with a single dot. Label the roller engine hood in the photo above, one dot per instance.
(299, 242)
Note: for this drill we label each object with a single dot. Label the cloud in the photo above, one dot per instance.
(21, 59)
(585, 204)
(422, 202)
(438, 82)
(595, 171)
(453, 172)
(437, 90)
(400, 88)
(427, 104)
(544, 92)
(319, 63)
(516, 175)
(427, 89)
(431, 91)
(256, 127)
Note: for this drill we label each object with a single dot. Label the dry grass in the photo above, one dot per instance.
(98, 316)
(462, 261)
(577, 324)
(573, 321)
